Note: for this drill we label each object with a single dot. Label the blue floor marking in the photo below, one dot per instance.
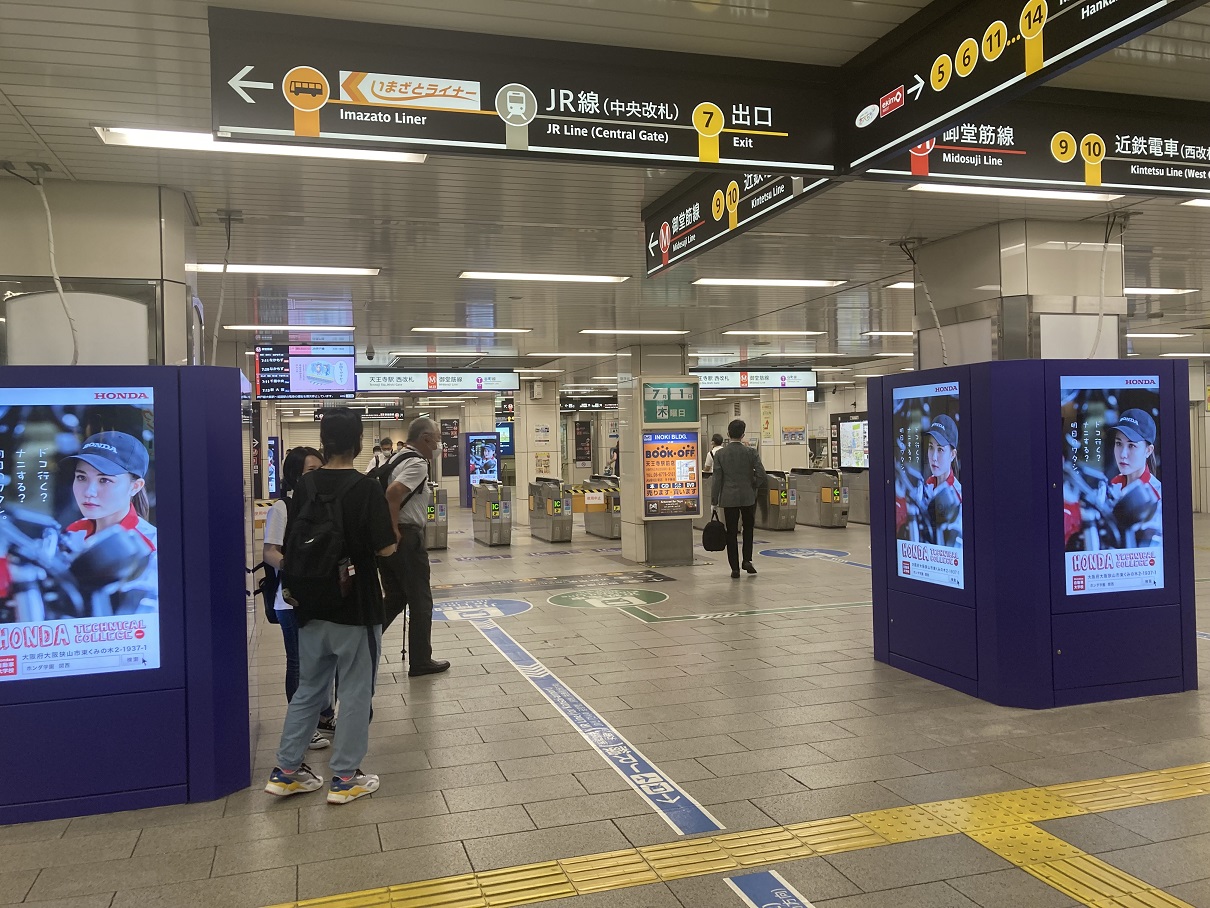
(821, 554)
(1203, 635)
(681, 812)
(767, 889)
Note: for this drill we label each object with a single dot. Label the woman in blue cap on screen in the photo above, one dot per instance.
(109, 486)
(1134, 453)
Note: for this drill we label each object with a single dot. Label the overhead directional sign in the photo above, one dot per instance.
(419, 382)
(1071, 139)
(712, 207)
(736, 378)
(960, 56)
(358, 85)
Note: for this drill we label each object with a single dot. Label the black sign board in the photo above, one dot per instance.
(583, 443)
(367, 412)
(1064, 139)
(587, 403)
(449, 447)
(712, 207)
(956, 58)
(294, 79)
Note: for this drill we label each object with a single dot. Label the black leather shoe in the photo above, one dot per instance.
(749, 568)
(734, 574)
(432, 667)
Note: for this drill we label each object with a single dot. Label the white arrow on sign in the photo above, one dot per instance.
(917, 88)
(239, 84)
(651, 246)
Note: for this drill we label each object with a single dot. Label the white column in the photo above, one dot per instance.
(535, 441)
(786, 410)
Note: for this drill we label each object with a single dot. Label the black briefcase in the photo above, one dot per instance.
(714, 534)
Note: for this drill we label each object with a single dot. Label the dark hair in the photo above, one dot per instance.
(340, 432)
(716, 440)
(142, 505)
(292, 467)
(736, 428)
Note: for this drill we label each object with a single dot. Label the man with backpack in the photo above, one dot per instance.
(405, 574)
(339, 524)
(382, 453)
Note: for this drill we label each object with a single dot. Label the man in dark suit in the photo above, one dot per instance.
(738, 478)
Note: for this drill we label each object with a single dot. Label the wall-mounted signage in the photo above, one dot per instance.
(959, 59)
(927, 498)
(851, 440)
(277, 78)
(670, 478)
(715, 206)
(505, 431)
(1112, 505)
(481, 458)
(81, 585)
(670, 402)
(294, 371)
(449, 447)
(569, 403)
(733, 379)
(272, 466)
(1069, 138)
(583, 444)
(425, 382)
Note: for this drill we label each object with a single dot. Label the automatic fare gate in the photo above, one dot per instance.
(437, 519)
(492, 513)
(778, 510)
(823, 499)
(549, 510)
(603, 507)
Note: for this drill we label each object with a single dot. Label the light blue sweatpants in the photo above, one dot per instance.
(326, 649)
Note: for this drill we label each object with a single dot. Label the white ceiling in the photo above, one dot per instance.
(68, 64)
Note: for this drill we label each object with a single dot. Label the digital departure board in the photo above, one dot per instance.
(288, 371)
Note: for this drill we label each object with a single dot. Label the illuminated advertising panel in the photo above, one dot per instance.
(928, 487)
(285, 371)
(79, 576)
(670, 474)
(1112, 505)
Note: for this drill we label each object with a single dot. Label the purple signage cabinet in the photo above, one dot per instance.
(1046, 568)
(116, 732)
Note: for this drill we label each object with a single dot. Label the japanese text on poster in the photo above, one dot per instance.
(670, 477)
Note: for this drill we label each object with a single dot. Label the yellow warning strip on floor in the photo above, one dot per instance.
(1002, 822)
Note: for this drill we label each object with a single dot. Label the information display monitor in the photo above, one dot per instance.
(670, 474)
(480, 461)
(294, 371)
(79, 579)
(855, 444)
(505, 431)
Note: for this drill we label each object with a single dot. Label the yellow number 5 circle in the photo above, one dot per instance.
(942, 72)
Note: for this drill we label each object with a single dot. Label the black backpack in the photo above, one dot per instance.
(316, 554)
(382, 473)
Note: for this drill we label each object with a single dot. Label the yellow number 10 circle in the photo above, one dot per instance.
(942, 72)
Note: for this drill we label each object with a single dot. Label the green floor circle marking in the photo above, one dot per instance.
(607, 597)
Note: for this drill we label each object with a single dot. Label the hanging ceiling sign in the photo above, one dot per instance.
(294, 79)
(1062, 139)
(732, 379)
(712, 207)
(420, 382)
(958, 59)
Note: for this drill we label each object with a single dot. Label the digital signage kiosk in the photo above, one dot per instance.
(480, 461)
(123, 628)
(1032, 529)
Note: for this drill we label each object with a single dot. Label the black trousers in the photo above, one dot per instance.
(732, 517)
(405, 584)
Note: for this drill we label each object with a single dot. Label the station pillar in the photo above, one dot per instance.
(535, 439)
(1025, 289)
(782, 430)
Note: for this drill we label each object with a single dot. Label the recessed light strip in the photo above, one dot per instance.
(314, 329)
(455, 330)
(555, 278)
(1057, 195)
(653, 331)
(213, 268)
(778, 333)
(1157, 291)
(762, 282)
(176, 140)
(888, 334)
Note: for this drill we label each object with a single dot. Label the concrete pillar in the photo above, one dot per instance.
(1022, 290)
(535, 440)
(783, 411)
(121, 251)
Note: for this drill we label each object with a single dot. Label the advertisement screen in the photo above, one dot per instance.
(1112, 509)
(928, 484)
(855, 444)
(483, 458)
(505, 431)
(300, 371)
(670, 477)
(449, 447)
(79, 581)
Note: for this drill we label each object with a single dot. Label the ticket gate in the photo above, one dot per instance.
(492, 513)
(603, 507)
(437, 519)
(778, 510)
(858, 484)
(549, 510)
(823, 499)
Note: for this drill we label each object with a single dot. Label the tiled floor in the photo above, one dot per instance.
(766, 719)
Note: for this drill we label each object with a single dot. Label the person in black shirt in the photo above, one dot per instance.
(338, 634)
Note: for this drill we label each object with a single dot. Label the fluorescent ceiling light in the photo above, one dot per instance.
(447, 400)
(761, 282)
(830, 369)
(556, 355)
(556, 278)
(612, 378)
(213, 268)
(888, 334)
(779, 333)
(454, 355)
(1185, 355)
(651, 331)
(543, 371)
(705, 399)
(836, 382)
(1160, 336)
(804, 355)
(315, 329)
(907, 370)
(1057, 195)
(175, 140)
(472, 330)
(871, 375)
(894, 354)
(1199, 203)
(901, 285)
(1157, 291)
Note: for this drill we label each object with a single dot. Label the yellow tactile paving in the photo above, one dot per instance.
(1002, 822)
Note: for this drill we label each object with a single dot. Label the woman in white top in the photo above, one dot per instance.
(299, 461)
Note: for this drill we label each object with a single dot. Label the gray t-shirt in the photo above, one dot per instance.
(414, 473)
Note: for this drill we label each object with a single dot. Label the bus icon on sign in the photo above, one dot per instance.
(314, 89)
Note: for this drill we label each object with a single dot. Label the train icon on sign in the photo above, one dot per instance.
(515, 104)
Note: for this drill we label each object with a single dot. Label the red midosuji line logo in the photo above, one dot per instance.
(121, 395)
